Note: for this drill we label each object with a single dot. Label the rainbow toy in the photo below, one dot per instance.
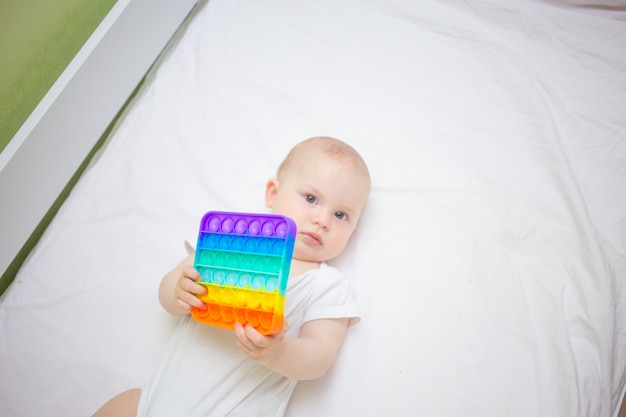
(244, 262)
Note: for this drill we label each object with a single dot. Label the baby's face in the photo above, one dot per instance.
(325, 196)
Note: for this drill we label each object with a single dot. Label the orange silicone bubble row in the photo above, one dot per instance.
(227, 316)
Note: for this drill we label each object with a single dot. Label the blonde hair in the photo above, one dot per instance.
(328, 146)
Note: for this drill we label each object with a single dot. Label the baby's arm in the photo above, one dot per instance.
(308, 356)
(178, 289)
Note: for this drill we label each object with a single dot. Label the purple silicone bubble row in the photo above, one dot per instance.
(247, 225)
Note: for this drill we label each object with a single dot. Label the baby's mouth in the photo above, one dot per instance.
(311, 238)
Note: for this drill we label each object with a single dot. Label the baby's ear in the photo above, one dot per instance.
(270, 192)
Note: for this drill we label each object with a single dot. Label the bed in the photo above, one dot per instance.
(489, 266)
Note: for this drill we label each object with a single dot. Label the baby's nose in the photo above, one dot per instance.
(322, 219)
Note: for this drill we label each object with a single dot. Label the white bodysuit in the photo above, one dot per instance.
(205, 374)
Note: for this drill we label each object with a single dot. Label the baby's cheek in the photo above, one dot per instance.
(304, 253)
(344, 236)
(336, 246)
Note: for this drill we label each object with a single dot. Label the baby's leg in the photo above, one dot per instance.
(122, 405)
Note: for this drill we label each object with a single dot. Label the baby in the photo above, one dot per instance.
(323, 185)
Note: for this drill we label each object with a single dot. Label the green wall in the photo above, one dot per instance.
(38, 39)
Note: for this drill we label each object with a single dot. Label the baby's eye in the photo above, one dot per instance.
(310, 198)
(341, 215)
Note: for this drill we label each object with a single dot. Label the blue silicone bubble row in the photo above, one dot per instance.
(239, 279)
(241, 261)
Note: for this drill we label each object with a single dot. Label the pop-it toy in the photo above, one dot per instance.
(244, 261)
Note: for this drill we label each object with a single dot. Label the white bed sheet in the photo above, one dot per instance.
(490, 263)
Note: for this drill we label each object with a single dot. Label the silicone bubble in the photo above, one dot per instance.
(257, 282)
(254, 228)
(241, 226)
(266, 320)
(241, 298)
(227, 225)
(271, 284)
(265, 245)
(231, 278)
(243, 260)
(206, 275)
(238, 243)
(278, 247)
(281, 229)
(210, 241)
(215, 311)
(234, 260)
(240, 315)
(254, 318)
(268, 229)
(218, 277)
(261, 264)
(206, 257)
(250, 245)
(214, 224)
(267, 302)
(228, 314)
(224, 242)
(244, 280)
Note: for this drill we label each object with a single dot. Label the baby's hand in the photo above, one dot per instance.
(257, 346)
(187, 289)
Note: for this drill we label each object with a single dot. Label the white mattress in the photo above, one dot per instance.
(490, 265)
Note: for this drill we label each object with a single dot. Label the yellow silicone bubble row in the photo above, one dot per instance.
(237, 297)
